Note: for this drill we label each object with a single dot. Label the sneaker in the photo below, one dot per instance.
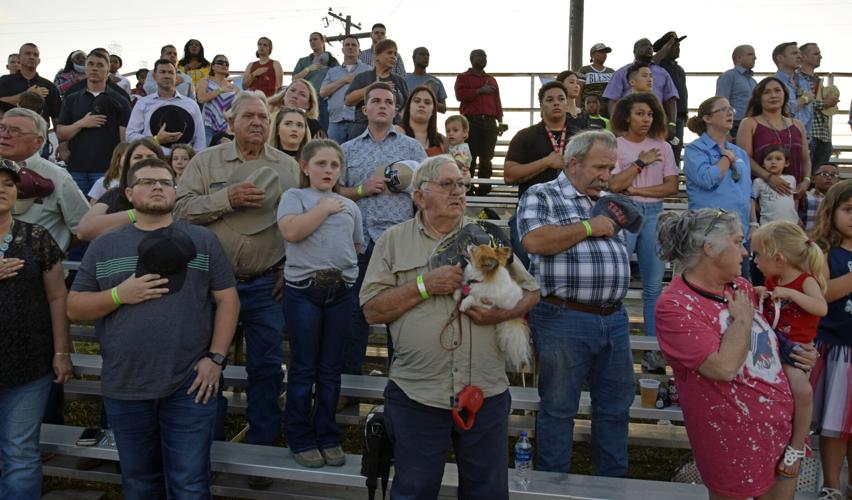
(309, 458)
(333, 456)
(259, 483)
(653, 362)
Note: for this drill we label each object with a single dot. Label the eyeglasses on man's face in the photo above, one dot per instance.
(147, 182)
(448, 185)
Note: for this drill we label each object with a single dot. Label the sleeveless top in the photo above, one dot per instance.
(265, 82)
(790, 137)
(795, 324)
(214, 110)
(836, 326)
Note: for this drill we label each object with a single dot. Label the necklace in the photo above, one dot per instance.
(706, 294)
(6, 241)
(778, 135)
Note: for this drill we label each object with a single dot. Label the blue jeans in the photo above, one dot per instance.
(262, 318)
(85, 180)
(339, 131)
(651, 268)
(421, 438)
(517, 246)
(318, 320)
(164, 444)
(21, 409)
(574, 347)
(357, 336)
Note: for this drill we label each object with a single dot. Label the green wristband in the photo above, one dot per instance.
(588, 228)
(115, 297)
(421, 287)
(360, 191)
(131, 214)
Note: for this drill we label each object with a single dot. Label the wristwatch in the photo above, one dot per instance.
(639, 163)
(217, 358)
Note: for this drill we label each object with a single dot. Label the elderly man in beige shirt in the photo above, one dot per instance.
(435, 360)
(234, 190)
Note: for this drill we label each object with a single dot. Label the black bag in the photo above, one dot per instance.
(378, 452)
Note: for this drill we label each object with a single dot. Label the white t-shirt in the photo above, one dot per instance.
(774, 206)
(98, 188)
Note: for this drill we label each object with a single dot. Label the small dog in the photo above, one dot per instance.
(489, 284)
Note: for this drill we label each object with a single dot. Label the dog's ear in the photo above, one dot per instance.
(503, 254)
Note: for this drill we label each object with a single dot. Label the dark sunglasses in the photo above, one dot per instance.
(222, 63)
(719, 214)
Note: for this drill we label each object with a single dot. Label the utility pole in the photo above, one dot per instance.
(347, 24)
(575, 35)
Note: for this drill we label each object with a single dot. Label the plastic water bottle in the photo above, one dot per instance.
(523, 460)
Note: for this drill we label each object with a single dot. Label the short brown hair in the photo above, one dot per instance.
(384, 45)
(378, 85)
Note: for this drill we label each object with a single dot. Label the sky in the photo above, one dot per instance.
(528, 36)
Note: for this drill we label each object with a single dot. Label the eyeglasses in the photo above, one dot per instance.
(222, 63)
(447, 185)
(726, 109)
(828, 175)
(146, 182)
(719, 214)
(14, 132)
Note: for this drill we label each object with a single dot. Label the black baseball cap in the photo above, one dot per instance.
(166, 251)
(658, 45)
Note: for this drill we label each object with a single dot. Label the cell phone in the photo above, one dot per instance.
(90, 436)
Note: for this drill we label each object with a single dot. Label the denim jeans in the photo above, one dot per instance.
(262, 318)
(574, 347)
(339, 131)
(163, 444)
(21, 409)
(820, 153)
(421, 436)
(357, 336)
(651, 268)
(318, 320)
(85, 180)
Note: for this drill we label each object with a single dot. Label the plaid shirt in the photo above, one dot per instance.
(808, 208)
(595, 271)
(821, 124)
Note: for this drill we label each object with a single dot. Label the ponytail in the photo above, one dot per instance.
(816, 264)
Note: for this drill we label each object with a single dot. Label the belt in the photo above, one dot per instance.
(480, 117)
(271, 270)
(586, 308)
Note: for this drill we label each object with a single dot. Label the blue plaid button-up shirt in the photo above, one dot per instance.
(595, 271)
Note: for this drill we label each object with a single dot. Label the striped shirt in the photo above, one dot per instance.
(595, 271)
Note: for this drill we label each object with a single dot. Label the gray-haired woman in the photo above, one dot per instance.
(736, 401)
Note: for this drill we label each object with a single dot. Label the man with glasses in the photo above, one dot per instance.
(826, 176)
(410, 286)
(155, 283)
(380, 144)
(580, 327)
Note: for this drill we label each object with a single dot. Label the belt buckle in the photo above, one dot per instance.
(328, 278)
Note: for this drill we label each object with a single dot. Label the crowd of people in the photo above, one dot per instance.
(196, 203)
